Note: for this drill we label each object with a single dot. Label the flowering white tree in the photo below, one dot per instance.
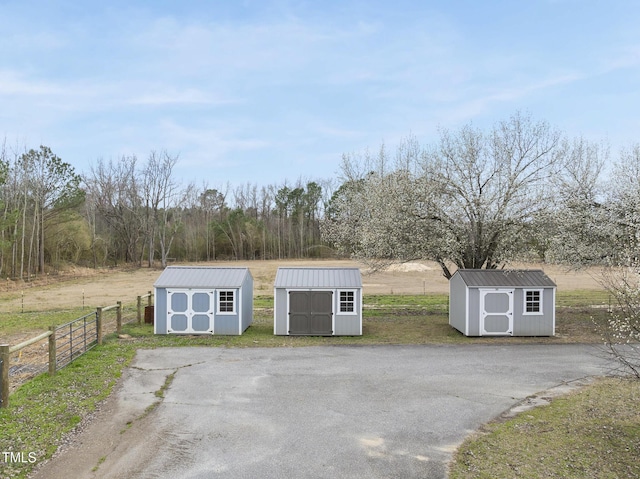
(622, 331)
(624, 198)
(577, 231)
(372, 216)
(467, 201)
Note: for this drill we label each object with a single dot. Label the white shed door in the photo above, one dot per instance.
(190, 311)
(496, 312)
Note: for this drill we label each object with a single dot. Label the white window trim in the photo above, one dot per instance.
(355, 298)
(524, 302)
(235, 301)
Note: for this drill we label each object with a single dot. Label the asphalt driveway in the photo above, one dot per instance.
(317, 412)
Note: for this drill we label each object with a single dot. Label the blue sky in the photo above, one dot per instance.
(271, 90)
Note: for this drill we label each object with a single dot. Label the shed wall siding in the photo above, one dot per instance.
(474, 312)
(348, 324)
(227, 324)
(247, 303)
(280, 311)
(534, 325)
(458, 304)
(160, 311)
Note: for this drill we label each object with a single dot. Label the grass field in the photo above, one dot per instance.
(387, 318)
(592, 433)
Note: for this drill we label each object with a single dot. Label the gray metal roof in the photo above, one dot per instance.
(318, 278)
(528, 278)
(201, 277)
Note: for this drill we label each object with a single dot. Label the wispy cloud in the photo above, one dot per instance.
(261, 85)
(14, 83)
(625, 58)
(171, 96)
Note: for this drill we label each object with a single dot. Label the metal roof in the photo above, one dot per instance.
(528, 278)
(201, 277)
(318, 278)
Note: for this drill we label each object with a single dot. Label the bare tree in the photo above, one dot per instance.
(161, 194)
(162, 198)
(114, 187)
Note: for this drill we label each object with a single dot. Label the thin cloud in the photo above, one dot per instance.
(262, 85)
(13, 83)
(169, 96)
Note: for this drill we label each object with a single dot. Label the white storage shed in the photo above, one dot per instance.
(502, 302)
(203, 300)
(318, 302)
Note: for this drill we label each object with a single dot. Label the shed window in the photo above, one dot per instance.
(347, 302)
(226, 302)
(533, 301)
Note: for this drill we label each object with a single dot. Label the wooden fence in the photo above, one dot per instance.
(68, 341)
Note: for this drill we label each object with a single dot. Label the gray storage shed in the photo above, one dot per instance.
(203, 300)
(502, 303)
(318, 302)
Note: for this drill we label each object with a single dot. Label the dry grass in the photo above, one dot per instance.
(106, 286)
(591, 433)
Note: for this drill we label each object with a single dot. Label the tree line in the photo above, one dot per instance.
(473, 199)
(131, 212)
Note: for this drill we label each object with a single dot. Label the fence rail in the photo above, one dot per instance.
(66, 343)
(29, 342)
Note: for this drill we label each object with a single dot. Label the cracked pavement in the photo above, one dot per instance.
(341, 411)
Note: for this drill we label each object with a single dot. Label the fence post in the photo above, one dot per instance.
(149, 301)
(99, 324)
(119, 317)
(139, 309)
(52, 351)
(4, 377)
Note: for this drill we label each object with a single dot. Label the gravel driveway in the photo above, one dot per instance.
(317, 412)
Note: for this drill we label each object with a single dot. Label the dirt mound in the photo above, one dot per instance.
(409, 267)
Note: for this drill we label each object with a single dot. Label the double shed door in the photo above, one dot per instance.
(311, 313)
(190, 311)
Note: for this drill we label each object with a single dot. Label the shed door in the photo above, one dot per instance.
(496, 312)
(311, 312)
(190, 311)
